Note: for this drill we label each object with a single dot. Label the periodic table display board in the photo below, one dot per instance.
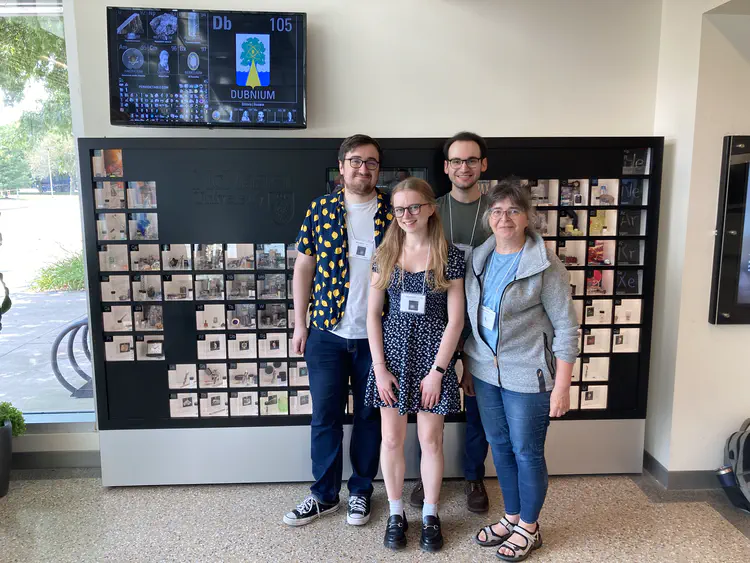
(190, 253)
(597, 227)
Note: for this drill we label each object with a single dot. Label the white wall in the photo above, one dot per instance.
(674, 119)
(432, 67)
(712, 387)
(699, 389)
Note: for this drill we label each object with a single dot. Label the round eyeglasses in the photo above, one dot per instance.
(357, 162)
(471, 162)
(413, 209)
(512, 213)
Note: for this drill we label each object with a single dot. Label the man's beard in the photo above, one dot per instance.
(466, 188)
(361, 186)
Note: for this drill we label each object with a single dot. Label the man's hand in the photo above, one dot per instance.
(467, 382)
(299, 339)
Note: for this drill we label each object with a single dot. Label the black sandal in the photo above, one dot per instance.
(533, 541)
(491, 538)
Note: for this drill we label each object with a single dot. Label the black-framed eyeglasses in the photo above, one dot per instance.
(471, 162)
(357, 162)
(413, 209)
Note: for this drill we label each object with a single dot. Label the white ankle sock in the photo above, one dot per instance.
(396, 507)
(429, 510)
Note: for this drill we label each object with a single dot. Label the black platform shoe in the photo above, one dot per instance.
(432, 537)
(395, 532)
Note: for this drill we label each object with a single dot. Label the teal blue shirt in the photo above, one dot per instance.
(500, 272)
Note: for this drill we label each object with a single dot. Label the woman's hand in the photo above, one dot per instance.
(559, 401)
(467, 382)
(385, 382)
(430, 387)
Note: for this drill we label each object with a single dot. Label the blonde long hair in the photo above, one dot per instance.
(389, 251)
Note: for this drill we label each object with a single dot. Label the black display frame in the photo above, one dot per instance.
(732, 211)
(301, 68)
(592, 157)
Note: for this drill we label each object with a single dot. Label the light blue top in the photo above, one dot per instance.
(538, 325)
(500, 272)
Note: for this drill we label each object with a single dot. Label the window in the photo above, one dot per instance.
(41, 253)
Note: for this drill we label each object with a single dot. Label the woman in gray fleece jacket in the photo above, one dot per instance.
(518, 359)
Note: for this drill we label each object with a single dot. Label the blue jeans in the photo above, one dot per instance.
(516, 428)
(331, 360)
(475, 448)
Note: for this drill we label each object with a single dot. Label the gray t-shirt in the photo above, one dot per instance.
(463, 217)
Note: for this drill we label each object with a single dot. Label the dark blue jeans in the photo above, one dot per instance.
(475, 448)
(331, 360)
(516, 428)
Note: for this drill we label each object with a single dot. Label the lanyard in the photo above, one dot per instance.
(450, 215)
(507, 272)
(426, 266)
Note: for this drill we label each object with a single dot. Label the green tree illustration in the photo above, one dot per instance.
(253, 51)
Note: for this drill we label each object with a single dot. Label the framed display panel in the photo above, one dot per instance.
(219, 242)
(144, 257)
(115, 288)
(109, 195)
(730, 287)
(171, 68)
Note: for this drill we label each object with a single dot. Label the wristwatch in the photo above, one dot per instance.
(438, 369)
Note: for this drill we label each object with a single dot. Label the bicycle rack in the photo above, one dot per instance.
(85, 391)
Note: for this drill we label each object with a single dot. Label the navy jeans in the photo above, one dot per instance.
(475, 448)
(516, 428)
(331, 361)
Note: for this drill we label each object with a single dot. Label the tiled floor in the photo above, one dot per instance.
(597, 519)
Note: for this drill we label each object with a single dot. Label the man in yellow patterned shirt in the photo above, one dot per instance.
(336, 242)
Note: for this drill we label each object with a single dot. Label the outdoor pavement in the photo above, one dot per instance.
(29, 330)
(36, 231)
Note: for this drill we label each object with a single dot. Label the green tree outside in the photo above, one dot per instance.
(15, 172)
(33, 50)
(40, 141)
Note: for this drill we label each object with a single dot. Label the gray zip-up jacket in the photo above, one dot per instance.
(537, 321)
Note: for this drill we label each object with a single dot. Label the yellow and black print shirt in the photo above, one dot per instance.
(323, 235)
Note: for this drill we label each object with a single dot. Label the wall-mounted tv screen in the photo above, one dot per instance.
(207, 68)
(730, 289)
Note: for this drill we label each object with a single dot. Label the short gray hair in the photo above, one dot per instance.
(510, 188)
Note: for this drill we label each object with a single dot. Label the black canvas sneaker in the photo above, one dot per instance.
(358, 512)
(308, 510)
